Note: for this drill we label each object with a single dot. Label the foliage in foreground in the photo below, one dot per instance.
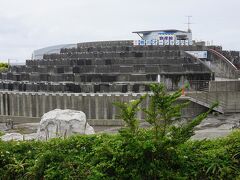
(3, 67)
(162, 152)
(111, 157)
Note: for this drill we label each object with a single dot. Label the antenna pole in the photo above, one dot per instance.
(189, 23)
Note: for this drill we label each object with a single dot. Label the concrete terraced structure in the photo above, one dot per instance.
(116, 66)
(95, 74)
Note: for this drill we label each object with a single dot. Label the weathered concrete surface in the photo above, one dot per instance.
(221, 65)
(228, 100)
(224, 85)
(23, 107)
(63, 123)
(217, 126)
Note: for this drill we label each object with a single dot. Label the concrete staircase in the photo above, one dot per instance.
(228, 100)
(204, 99)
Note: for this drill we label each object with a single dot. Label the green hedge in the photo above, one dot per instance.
(112, 157)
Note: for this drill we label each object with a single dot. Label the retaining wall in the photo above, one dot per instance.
(96, 106)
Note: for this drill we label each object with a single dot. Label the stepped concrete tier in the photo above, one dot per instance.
(111, 66)
(63, 123)
(91, 76)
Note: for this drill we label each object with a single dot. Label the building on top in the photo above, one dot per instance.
(38, 54)
(164, 37)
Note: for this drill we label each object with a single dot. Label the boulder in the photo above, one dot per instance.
(63, 123)
(12, 137)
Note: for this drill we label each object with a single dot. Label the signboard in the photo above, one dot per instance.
(142, 42)
(136, 42)
(148, 42)
(182, 42)
(154, 42)
(166, 42)
(198, 54)
(177, 42)
(163, 41)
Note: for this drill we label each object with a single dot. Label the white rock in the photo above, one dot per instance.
(33, 136)
(12, 136)
(63, 123)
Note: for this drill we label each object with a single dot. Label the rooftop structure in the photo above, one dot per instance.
(171, 35)
(38, 54)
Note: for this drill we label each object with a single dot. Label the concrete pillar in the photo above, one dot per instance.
(64, 102)
(21, 104)
(54, 101)
(87, 100)
(73, 100)
(34, 106)
(42, 103)
(69, 101)
(80, 105)
(116, 110)
(92, 106)
(13, 104)
(29, 104)
(6, 100)
(37, 105)
(1, 104)
(24, 104)
(58, 99)
(101, 107)
(105, 106)
(18, 104)
(97, 111)
(50, 101)
(139, 114)
(109, 106)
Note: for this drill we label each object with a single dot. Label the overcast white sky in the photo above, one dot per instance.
(26, 25)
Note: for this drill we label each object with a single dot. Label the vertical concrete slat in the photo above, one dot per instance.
(105, 109)
(1, 104)
(69, 101)
(13, 104)
(21, 104)
(47, 103)
(29, 102)
(24, 104)
(18, 104)
(38, 105)
(65, 99)
(92, 106)
(33, 104)
(6, 103)
(96, 107)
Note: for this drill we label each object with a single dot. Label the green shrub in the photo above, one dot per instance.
(3, 67)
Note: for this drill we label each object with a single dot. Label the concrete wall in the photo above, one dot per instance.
(228, 100)
(96, 106)
(224, 86)
(221, 66)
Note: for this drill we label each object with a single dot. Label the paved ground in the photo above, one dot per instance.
(217, 126)
(212, 127)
